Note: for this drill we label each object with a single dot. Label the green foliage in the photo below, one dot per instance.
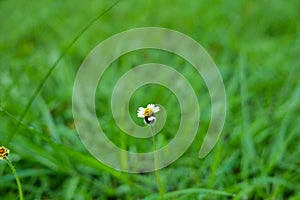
(256, 46)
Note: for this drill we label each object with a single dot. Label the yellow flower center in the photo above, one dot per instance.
(148, 112)
(3, 152)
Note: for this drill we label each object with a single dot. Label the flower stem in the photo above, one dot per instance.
(155, 165)
(16, 176)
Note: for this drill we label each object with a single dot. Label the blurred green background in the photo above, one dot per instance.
(255, 44)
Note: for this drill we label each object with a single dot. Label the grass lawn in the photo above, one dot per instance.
(256, 46)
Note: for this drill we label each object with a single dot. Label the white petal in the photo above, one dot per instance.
(140, 112)
(156, 109)
(151, 106)
(141, 109)
(140, 115)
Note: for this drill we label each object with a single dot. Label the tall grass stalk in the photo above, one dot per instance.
(155, 165)
(11, 166)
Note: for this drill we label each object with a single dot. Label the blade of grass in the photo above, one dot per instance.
(247, 142)
(49, 121)
(215, 166)
(71, 186)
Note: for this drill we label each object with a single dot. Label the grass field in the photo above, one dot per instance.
(256, 46)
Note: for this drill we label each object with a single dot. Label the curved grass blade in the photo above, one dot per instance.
(40, 86)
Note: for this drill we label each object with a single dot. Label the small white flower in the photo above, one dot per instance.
(148, 113)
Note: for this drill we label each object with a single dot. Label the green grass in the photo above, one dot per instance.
(255, 44)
